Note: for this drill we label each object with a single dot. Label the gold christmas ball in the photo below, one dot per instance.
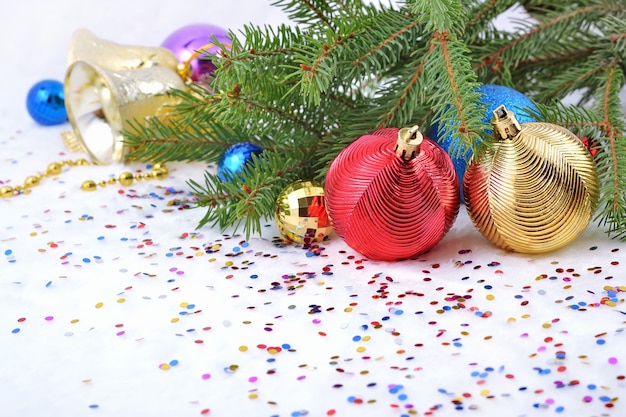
(301, 214)
(534, 190)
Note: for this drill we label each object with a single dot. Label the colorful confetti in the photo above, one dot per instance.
(117, 304)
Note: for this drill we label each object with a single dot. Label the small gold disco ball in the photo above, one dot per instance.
(534, 190)
(301, 214)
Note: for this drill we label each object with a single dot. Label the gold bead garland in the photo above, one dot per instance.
(159, 172)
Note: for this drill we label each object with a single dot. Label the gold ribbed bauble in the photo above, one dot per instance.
(300, 213)
(534, 190)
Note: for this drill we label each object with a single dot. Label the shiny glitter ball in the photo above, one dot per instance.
(301, 214)
(235, 158)
(46, 103)
(493, 96)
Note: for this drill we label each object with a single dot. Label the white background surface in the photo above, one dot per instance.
(500, 352)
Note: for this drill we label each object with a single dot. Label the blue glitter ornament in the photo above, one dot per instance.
(235, 158)
(46, 103)
(493, 96)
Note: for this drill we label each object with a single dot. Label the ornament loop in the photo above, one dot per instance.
(184, 68)
(408, 143)
(505, 124)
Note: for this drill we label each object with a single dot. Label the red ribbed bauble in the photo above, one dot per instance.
(392, 194)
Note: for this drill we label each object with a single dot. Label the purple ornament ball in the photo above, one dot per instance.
(185, 41)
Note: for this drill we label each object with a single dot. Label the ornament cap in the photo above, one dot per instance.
(505, 124)
(408, 143)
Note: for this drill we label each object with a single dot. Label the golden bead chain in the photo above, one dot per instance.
(158, 172)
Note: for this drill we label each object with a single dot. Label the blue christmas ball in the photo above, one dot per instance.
(235, 158)
(46, 103)
(493, 97)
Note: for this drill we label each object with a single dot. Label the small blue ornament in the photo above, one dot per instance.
(493, 96)
(46, 103)
(236, 157)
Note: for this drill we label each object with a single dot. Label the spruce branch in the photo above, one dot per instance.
(346, 68)
(261, 42)
(482, 16)
(456, 102)
(613, 175)
(177, 141)
(603, 122)
(309, 12)
(314, 76)
(403, 93)
(543, 38)
(392, 37)
(440, 15)
(571, 79)
(244, 199)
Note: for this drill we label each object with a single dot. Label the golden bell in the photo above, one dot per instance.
(101, 104)
(85, 46)
(107, 86)
(300, 213)
(535, 189)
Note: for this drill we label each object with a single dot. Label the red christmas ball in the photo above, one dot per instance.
(392, 194)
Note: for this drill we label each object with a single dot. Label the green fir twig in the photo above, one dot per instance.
(345, 68)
